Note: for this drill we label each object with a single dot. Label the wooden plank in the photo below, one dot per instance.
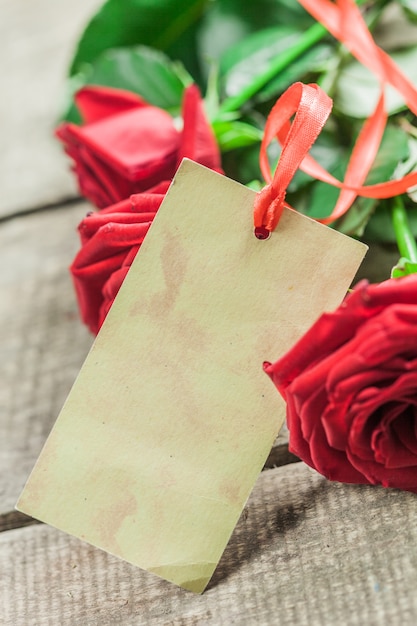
(305, 552)
(37, 42)
(43, 343)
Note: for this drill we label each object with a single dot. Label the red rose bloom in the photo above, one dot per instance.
(126, 146)
(110, 240)
(111, 237)
(350, 385)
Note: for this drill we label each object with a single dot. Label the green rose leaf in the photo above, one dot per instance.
(394, 148)
(327, 151)
(404, 267)
(159, 24)
(358, 89)
(195, 32)
(147, 72)
(304, 68)
(410, 9)
(379, 227)
(253, 54)
(243, 62)
(233, 134)
(243, 164)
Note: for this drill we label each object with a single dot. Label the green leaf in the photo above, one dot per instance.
(394, 148)
(290, 13)
(304, 68)
(142, 70)
(145, 71)
(227, 22)
(355, 220)
(231, 134)
(396, 26)
(327, 151)
(252, 56)
(242, 164)
(379, 227)
(358, 90)
(404, 267)
(120, 23)
(195, 32)
(69, 111)
(323, 197)
(256, 185)
(409, 165)
(410, 8)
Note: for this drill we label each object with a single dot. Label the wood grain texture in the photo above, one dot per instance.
(43, 342)
(37, 43)
(305, 551)
(15, 519)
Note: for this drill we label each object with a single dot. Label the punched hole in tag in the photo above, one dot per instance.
(262, 233)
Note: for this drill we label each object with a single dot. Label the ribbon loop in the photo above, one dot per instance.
(311, 106)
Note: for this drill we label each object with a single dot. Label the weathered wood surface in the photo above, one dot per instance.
(305, 552)
(42, 341)
(37, 39)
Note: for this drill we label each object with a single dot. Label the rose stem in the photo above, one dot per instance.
(403, 234)
(310, 37)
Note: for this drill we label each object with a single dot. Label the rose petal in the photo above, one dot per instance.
(385, 443)
(96, 103)
(197, 140)
(113, 284)
(98, 259)
(138, 144)
(351, 388)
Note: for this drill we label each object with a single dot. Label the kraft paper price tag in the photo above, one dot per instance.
(172, 417)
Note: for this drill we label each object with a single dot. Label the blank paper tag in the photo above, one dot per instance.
(172, 417)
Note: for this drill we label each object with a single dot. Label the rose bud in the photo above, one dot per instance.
(350, 384)
(110, 240)
(111, 237)
(126, 146)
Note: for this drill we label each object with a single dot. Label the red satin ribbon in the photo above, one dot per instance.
(344, 20)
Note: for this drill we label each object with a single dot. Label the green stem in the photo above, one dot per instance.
(403, 234)
(312, 35)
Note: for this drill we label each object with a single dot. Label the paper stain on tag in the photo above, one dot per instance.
(171, 418)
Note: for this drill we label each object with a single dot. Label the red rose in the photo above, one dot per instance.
(111, 237)
(127, 146)
(350, 385)
(110, 240)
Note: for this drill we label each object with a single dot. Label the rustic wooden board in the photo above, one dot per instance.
(37, 42)
(42, 340)
(305, 552)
